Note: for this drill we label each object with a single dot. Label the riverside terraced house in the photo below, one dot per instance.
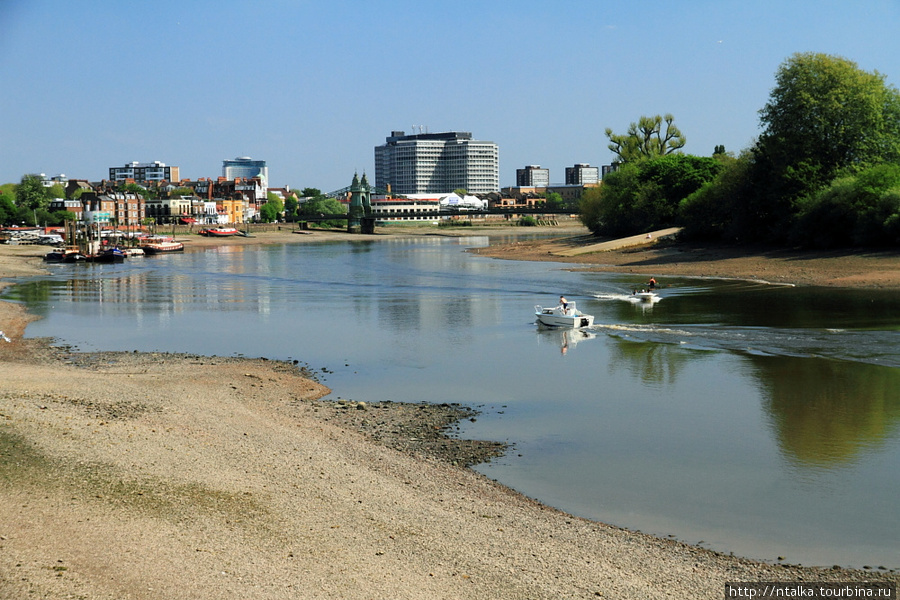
(436, 163)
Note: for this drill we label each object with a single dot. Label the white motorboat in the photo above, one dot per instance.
(563, 317)
(645, 296)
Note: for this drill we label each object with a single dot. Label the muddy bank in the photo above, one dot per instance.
(859, 268)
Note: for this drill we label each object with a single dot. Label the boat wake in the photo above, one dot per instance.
(629, 297)
(835, 344)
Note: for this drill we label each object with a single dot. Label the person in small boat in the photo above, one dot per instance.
(565, 304)
(652, 283)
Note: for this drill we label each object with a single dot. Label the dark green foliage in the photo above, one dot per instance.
(825, 170)
(645, 195)
(554, 201)
(323, 205)
(310, 192)
(290, 208)
(861, 210)
(8, 210)
(712, 211)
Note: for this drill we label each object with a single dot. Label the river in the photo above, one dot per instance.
(756, 419)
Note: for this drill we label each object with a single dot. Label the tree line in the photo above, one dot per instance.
(28, 203)
(825, 171)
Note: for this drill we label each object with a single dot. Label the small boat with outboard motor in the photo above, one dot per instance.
(563, 315)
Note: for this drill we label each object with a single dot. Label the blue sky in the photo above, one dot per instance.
(313, 87)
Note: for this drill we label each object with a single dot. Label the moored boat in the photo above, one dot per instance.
(559, 316)
(161, 246)
(219, 231)
(64, 255)
(108, 255)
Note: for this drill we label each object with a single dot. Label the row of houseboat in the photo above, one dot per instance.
(104, 253)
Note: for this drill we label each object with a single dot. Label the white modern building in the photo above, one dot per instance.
(434, 163)
(155, 171)
(245, 167)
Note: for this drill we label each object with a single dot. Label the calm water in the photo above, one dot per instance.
(763, 420)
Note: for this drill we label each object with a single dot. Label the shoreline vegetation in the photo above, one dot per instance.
(160, 475)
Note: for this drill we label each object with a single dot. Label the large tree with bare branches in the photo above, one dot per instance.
(646, 139)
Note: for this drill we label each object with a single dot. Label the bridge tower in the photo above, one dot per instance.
(358, 215)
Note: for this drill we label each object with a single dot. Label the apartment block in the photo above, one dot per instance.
(155, 171)
(533, 176)
(434, 163)
(582, 174)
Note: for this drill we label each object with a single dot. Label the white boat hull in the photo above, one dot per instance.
(646, 296)
(559, 317)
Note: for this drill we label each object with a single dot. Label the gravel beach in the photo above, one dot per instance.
(151, 475)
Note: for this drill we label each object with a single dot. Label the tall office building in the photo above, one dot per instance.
(533, 176)
(155, 171)
(246, 168)
(582, 174)
(427, 163)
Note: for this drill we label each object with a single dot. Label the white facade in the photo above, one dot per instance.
(155, 171)
(432, 163)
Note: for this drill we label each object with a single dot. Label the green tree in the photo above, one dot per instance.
(272, 209)
(56, 191)
(268, 213)
(31, 193)
(310, 192)
(8, 209)
(714, 210)
(646, 195)
(142, 191)
(863, 209)
(591, 209)
(554, 201)
(322, 205)
(646, 139)
(825, 118)
(290, 207)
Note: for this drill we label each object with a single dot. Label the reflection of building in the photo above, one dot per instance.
(582, 174)
(429, 163)
(155, 171)
(533, 176)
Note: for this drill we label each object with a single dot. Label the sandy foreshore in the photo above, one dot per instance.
(149, 476)
(836, 268)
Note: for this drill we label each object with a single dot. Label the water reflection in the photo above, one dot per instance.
(564, 338)
(827, 413)
(653, 364)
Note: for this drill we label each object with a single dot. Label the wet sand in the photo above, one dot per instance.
(148, 476)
